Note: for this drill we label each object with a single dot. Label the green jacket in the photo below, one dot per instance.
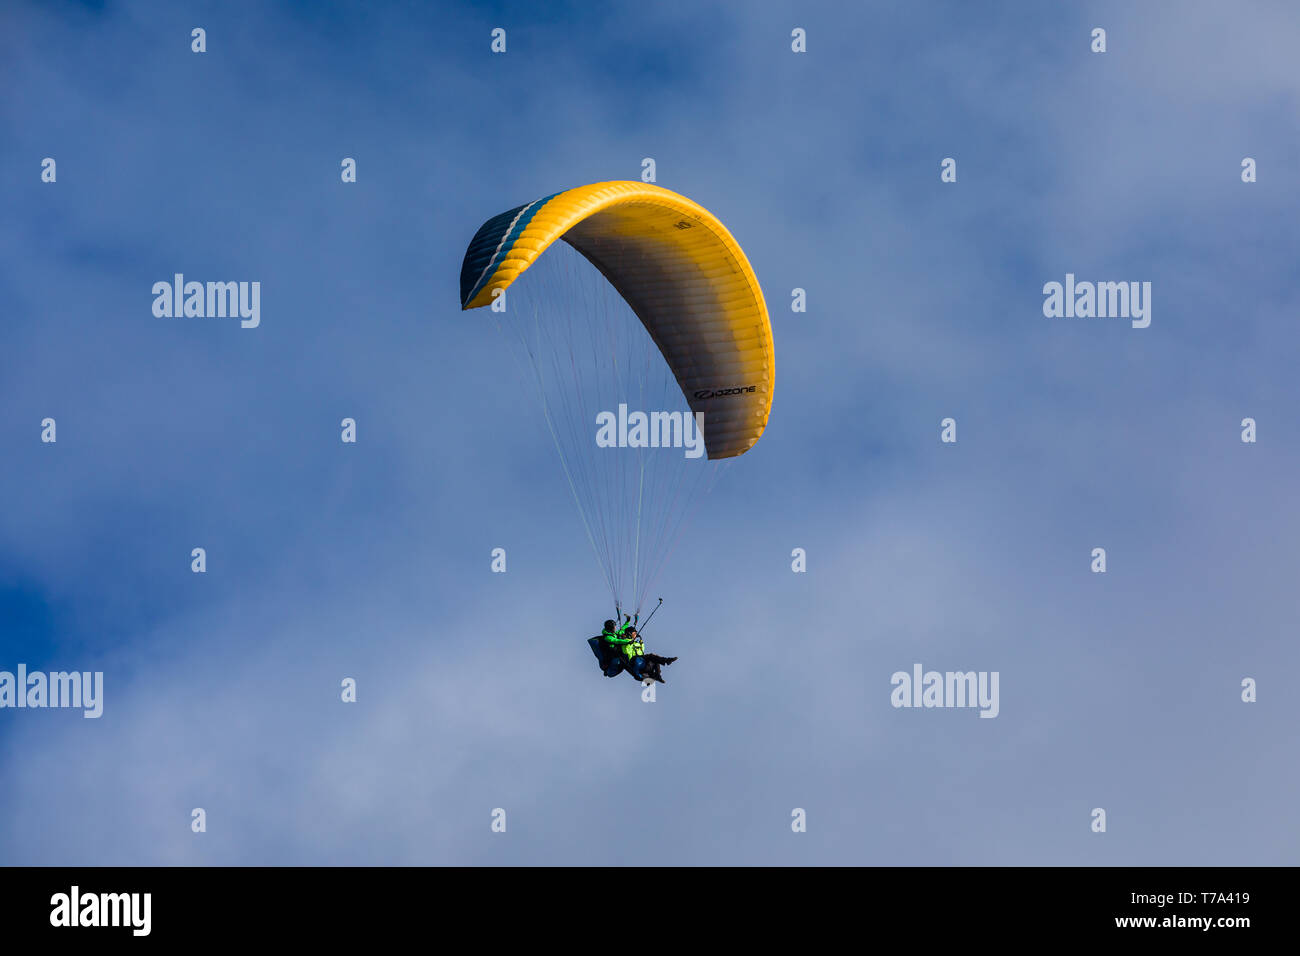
(631, 647)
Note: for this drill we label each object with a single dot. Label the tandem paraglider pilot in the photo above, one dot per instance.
(619, 648)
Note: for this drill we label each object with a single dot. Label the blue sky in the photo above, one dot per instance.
(371, 561)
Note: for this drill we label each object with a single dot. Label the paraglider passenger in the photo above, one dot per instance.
(637, 662)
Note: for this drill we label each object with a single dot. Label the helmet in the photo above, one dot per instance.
(609, 625)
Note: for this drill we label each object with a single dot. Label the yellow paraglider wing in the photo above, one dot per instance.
(679, 270)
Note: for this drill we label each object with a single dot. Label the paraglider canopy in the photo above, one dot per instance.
(679, 270)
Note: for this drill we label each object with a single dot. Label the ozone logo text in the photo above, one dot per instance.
(703, 393)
